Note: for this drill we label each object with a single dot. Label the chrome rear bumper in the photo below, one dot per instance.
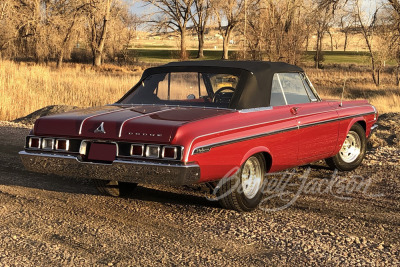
(133, 171)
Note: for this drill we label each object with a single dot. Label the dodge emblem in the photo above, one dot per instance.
(100, 129)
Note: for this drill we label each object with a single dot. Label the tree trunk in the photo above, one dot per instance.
(330, 35)
(317, 50)
(200, 53)
(379, 76)
(345, 41)
(307, 42)
(397, 75)
(60, 59)
(97, 59)
(225, 48)
(373, 71)
(98, 48)
(183, 54)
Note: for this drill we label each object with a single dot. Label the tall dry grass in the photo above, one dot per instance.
(359, 85)
(25, 88)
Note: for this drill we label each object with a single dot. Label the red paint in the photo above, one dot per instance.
(292, 135)
(102, 152)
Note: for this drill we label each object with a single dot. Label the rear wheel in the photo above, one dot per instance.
(114, 188)
(243, 191)
(352, 152)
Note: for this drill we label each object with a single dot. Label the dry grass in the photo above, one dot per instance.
(359, 85)
(25, 88)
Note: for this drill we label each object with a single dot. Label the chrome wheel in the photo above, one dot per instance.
(351, 147)
(252, 177)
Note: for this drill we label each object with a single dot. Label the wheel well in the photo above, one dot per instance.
(268, 161)
(363, 124)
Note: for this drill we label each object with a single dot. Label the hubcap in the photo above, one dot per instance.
(252, 177)
(351, 147)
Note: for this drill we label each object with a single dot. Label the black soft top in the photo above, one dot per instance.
(254, 88)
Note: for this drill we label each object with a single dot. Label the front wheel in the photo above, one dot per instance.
(114, 188)
(243, 191)
(352, 152)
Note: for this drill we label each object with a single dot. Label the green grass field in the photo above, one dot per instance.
(158, 55)
(340, 57)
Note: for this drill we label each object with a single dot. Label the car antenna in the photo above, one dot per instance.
(344, 86)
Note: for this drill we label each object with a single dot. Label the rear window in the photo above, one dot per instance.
(185, 88)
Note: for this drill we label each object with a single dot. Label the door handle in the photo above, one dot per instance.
(293, 110)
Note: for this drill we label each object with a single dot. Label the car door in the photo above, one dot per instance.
(286, 143)
(317, 121)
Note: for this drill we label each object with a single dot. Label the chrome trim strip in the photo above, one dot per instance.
(207, 148)
(172, 106)
(280, 84)
(93, 116)
(152, 163)
(257, 124)
(333, 120)
(223, 131)
(249, 110)
(49, 155)
(140, 116)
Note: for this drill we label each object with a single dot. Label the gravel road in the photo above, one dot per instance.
(54, 221)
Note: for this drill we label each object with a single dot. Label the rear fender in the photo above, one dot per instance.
(343, 134)
(253, 151)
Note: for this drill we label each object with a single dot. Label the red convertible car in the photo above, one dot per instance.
(197, 122)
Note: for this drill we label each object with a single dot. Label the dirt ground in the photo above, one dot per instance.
(58, 221)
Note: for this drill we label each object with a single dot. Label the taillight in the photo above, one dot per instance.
(137, 150)
(34, 142)
(169, 152)
(62, 144)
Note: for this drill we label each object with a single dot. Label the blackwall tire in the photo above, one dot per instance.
(243, 191)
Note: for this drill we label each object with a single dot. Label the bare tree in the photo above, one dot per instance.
(201, 16)
(276, 30)
(229, 12)
(394, 16)
(324, 14)
(346, 24)
(8, 25)
(367, 26)
(67, 15)
(123, 30)
(174, 15)
(98, 15)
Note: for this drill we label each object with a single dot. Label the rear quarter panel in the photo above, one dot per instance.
(235, 137)
(352, 112)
